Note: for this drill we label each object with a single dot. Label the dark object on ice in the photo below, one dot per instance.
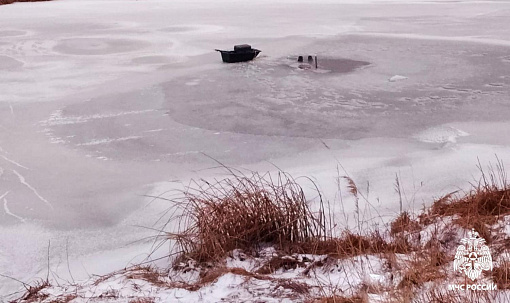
(241, 53)
(310, 62)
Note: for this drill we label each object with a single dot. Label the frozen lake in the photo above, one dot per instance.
(103, 102)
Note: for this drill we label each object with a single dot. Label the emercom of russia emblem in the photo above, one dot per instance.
(473, 256)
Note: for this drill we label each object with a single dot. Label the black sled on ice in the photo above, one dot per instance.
(241, 53)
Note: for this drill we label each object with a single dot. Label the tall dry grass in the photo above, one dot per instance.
(249, 211)
(486, 203)
(243, 212)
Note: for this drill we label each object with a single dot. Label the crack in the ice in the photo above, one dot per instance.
(4, 195)
(14, 162)
(8, 211)
(23, 181)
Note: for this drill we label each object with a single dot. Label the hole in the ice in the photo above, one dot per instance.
(336, 65)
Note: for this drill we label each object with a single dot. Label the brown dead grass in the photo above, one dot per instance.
(279, 262)
(338, 299)
(501, 275)
(33, 293)
(211, 275)
(65, 299)
(296, 287)
(404, 223)
(243, 212)
(485, 204)
(426, 267)
(147, 273)
(350, 245)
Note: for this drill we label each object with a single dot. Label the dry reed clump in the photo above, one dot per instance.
(33, 293)
(424, 268)
(278, 262)
(243, 212)
(439, 296)
(501, 275)
(349, 244)
(404, 223)
(296, 287)
(211, 275)
(485, 204)
(147, 273)
(425, 265)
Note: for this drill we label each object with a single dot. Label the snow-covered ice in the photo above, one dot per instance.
(103, 102)
(397, 78)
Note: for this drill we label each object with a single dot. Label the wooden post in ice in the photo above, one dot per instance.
(316, 62)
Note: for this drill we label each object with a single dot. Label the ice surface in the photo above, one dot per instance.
(101, 102)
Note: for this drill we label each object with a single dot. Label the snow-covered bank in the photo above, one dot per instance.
(409, 260)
